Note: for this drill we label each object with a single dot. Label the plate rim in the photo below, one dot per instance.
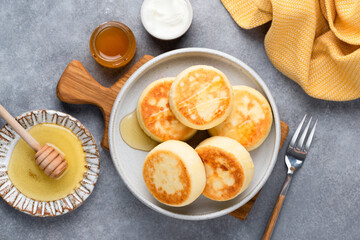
(259, 81)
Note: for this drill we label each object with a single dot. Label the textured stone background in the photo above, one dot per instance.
(39, 38)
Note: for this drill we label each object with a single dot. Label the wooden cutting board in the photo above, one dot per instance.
(76, 86)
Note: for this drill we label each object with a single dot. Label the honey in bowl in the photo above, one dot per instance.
(112, 44)
(30, 180)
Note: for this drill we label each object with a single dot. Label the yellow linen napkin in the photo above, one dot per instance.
(314, 42)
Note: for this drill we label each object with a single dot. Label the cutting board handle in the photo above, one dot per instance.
(77, 86)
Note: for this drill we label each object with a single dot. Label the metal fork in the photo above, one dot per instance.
(294, 159)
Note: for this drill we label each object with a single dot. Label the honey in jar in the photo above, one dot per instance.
(112, 44)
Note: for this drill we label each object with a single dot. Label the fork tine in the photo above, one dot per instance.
(296, 134)
(311, 135)
(303, 135)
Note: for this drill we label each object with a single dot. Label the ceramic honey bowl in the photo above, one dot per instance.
(25, 187)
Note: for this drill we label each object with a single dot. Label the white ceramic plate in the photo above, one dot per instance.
(129, 161)
(8, 140)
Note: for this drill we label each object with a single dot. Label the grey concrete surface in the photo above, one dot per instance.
(39, 38)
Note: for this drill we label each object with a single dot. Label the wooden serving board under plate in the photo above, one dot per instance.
(76, 86)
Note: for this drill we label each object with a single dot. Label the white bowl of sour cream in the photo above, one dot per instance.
(166, 19)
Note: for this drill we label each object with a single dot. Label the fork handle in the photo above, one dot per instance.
(277, 208)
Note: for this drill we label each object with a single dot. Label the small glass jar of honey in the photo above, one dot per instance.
(113, 44)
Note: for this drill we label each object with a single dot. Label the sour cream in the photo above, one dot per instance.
(166, 19)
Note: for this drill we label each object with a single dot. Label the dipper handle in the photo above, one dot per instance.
(19, 129)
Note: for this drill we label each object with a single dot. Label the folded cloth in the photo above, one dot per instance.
(314, 42)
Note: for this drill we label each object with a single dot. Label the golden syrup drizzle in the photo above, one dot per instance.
(133, 135)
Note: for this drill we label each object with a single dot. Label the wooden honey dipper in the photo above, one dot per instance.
(49, 160)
